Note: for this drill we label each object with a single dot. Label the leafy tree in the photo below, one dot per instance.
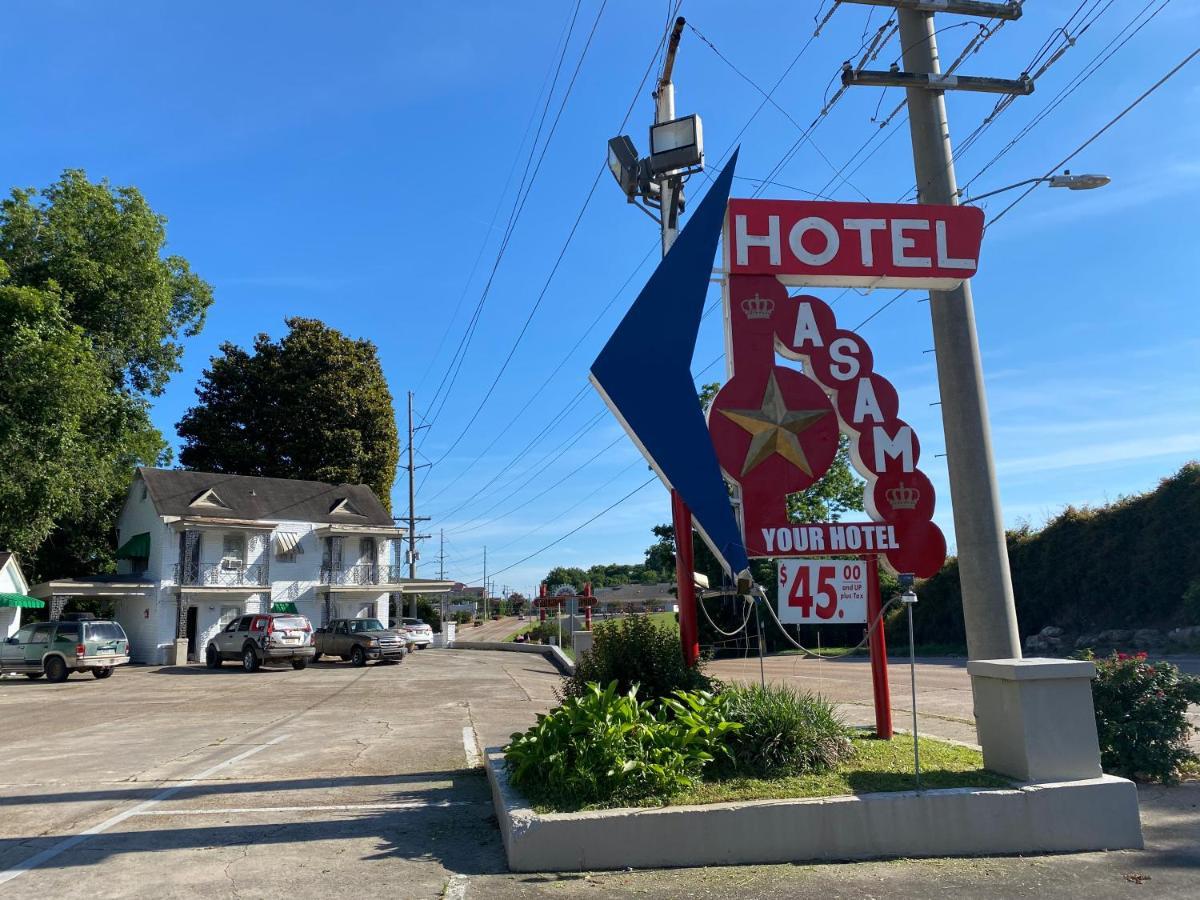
(88, 291)
(51, 390)
(102, 247)
(838, 491)
(314, 405)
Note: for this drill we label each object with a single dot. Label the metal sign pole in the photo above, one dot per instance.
(877, 645)
(909, 599)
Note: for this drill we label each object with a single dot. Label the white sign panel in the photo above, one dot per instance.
(822, 591)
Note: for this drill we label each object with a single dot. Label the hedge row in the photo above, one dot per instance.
(1124, 565)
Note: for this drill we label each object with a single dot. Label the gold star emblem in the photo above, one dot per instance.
(774, 428)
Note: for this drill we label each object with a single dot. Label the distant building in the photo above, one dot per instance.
(628, 598)
(198, 549)
(14, 590)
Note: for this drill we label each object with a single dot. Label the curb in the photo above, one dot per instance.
(554, 654)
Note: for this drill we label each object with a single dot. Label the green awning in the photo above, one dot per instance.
(22, 601)
(137, 547)
(284, 608)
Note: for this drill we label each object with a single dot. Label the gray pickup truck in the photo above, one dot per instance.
(359, 640)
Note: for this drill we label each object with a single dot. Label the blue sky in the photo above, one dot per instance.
(351, 162)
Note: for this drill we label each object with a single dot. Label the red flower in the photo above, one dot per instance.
(1142, 655)
(1122, 656)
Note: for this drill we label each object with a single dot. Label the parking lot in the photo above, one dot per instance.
(172, 782)
(163, 782)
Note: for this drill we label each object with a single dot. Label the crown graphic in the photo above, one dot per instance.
(757, 307)
(901, 497)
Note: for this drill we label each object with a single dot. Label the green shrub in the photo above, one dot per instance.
(784, 732)
(609, 748)
(635, 651)
(1141, 710)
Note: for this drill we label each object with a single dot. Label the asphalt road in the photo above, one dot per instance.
(163, 783)
(944, 702)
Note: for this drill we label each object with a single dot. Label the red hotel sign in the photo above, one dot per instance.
(809, 242)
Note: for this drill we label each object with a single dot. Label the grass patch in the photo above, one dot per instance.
(876, 766)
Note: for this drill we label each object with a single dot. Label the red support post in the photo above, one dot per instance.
(878, 644)
(689, 628)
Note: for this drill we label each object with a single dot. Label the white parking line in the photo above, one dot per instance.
(337, 807)
(474, 760)
(74, 841)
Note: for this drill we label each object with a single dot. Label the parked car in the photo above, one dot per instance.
(262, 638)
(359, 640)
(56, 649)
(420, 634)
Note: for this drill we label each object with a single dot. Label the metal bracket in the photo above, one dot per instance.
(1010, 10)
(931, 82)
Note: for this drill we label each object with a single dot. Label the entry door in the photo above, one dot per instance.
(192, 613)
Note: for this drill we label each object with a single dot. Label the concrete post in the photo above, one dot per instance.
(989, 612)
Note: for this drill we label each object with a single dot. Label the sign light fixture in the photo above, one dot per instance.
(677, 144)
(623, 163)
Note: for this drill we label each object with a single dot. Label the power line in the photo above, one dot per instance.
(1080, 78)
(495, 212)
(599, 174)
(526, 185)
(1111, 122)
(561, 253)
(577, 528)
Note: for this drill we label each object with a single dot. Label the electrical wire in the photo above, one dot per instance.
(523, 190)
(561, 253)
(576, 529)
(1111, 122)
(624, 120)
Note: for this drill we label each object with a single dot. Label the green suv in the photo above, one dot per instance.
(56, 649)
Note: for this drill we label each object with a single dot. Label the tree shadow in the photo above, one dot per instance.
(453, 826)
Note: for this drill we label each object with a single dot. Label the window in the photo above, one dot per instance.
(68, 633)
(233, 551)
(287, 546)
(104, 631)
(243, 623)
(41, 633)
(340, 628)
(234, 625)
(25, 635)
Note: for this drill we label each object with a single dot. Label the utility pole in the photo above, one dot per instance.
(485, 583)
(413, 518)
(441, 554)
(670, 187)
(989, 612)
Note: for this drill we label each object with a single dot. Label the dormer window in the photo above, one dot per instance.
(209, 500)
(343, 507)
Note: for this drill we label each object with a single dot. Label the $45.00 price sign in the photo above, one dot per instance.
(822, 591)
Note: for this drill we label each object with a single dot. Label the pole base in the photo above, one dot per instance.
(1035, 718)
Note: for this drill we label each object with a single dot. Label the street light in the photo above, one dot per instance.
(1065, 180)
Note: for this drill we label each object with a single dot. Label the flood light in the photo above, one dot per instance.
(623, 163)
(677, 144)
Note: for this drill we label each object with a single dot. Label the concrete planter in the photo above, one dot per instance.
(559, 659)
(1093, 814)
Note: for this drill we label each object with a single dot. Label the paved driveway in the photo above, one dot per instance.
(337, 781)
(173, 782)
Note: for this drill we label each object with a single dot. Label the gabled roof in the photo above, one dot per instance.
(5, 557)
(178, 492)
